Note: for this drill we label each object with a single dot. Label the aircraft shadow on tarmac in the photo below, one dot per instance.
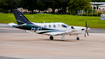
(30, 40)
(59, 40)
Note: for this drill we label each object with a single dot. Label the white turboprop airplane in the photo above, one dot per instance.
(50, 29)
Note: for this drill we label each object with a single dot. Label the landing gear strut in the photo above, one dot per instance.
(63, 37)
(77, 37)
(51, 37)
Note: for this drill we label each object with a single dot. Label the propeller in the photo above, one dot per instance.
(86, 31)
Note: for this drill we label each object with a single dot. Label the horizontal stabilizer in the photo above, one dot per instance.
(11, 24)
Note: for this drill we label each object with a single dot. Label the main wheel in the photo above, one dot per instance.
(78, 38)
(51, 37)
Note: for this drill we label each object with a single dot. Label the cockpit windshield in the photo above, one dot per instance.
(72, 27)
(64, 25)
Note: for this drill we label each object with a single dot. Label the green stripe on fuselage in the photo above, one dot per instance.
(30, 27)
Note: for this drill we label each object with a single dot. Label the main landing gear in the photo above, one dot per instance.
(51, 38)
(77, 38)
(62, 38)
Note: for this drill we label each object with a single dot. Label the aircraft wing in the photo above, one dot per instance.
(55, 33)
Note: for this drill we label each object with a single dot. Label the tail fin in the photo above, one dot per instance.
(20, 18)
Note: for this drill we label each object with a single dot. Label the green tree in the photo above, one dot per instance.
(55, 4)
(64, 5)
(75, 5)
(4, 5)
(45, 4)
(30, 4)
(9, 4)
(40, 6)
(98, 0)
(51, 4)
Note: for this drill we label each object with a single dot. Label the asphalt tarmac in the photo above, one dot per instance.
(17, 44)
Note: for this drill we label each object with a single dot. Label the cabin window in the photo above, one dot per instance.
(54, 26)
(49, 25)
(72, 27)
(58, 25)
(45, 26)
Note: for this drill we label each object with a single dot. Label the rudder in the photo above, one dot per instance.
(20, 18)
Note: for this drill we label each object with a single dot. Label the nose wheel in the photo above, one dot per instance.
(78, 38)
(51, 38)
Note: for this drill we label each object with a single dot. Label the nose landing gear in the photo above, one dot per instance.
(77, 37)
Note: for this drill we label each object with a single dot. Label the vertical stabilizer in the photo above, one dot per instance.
(20, 18)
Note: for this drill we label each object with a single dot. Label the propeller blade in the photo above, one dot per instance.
(86, 32)
(87, 27)
(85, 24)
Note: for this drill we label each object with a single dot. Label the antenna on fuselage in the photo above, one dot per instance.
(44, 21)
